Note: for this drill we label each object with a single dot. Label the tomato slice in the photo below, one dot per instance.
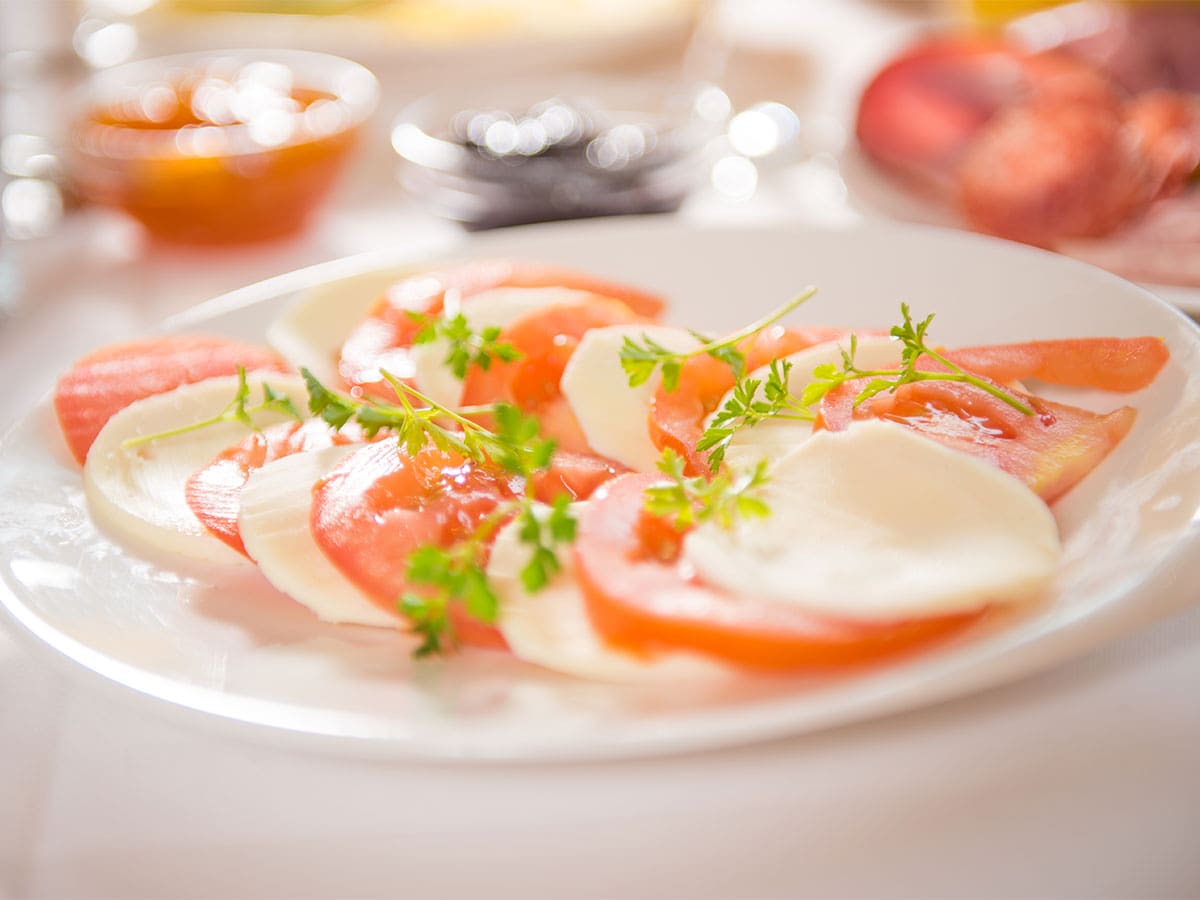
(214, 492)
(104, 382)
(382, 340)
(1107, 364)
(677, 417)
(578, 475)
(1050, 451)
(546, 338)
(380, 504)
(638, 598)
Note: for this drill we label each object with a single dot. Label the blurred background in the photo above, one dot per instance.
(158, 152)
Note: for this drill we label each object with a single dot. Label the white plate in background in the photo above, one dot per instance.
(874, 192)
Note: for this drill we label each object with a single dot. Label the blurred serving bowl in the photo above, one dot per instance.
(219, 147)
(533, 152)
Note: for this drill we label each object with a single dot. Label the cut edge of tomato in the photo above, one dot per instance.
(335, 511)
(643, 605)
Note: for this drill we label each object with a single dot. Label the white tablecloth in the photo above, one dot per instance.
(1080, 782)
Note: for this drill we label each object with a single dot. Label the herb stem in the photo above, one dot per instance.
(222, 416)
(403, 391)
(753, 328)
(234, 411)
(967, 378)
(957, 373)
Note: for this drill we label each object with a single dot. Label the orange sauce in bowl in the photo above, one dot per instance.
(214, 160)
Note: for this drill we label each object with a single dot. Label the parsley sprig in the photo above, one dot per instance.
(466, 347)
(725, 498)
(747, 406)
(458, 572)
(641, 360)
(236, 410)
(913, 346)
(514, 446)
(754, 400)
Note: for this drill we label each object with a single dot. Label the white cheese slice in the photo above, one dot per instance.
(497, 307)
(274, 524)
(879, 523)
(551, 628)
(311, 331)
(612, 414)
(137, 493)
(774, 438)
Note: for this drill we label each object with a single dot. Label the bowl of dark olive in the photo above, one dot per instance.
(538, 152)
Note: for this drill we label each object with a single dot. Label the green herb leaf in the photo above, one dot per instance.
(641, 360)
(457, 573)
(466, 347)
(913, 346)
(236, 410)
(751, 402)
(728, 497)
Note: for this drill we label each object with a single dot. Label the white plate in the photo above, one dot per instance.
(872, 191)
(425, 43)
(225, 644)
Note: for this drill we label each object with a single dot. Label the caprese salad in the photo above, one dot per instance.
(525, 458)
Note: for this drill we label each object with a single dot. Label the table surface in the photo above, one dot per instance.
(1078, 782)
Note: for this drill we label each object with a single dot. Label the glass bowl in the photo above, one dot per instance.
(219, 147)
(536, 151)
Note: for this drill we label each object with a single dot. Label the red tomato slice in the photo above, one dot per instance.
(105, 381)
(577, 475)
(546, 339)
(379, 505)
(214, 492)
(1050, 451)
(639, 599)
(677, 417)
(382, 340)
(1107, 364)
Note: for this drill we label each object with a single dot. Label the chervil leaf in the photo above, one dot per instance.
(466, 346)
(686, 501)
(752, 401)
(731, 356)
(641, 360)
(236, 410)
(913, 346)
(456, 573)
(332, 408)
(561, 522)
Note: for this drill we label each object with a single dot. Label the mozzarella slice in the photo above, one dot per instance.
(551, 628)
(274, 524)
(879, 523)
(612, 414)
(495, 308)
(774, 438)
(137, 493)
(311, 331)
